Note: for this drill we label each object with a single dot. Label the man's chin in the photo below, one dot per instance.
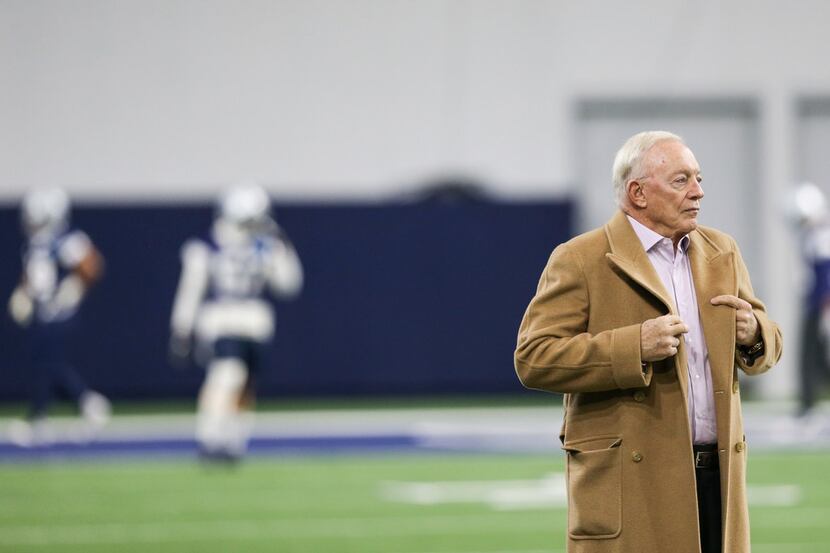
(690, 225)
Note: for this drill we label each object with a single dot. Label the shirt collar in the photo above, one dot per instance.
(649, 238)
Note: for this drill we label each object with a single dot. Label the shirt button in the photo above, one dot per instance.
(636, 456)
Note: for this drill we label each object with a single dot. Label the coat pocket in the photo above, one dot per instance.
(594, 467)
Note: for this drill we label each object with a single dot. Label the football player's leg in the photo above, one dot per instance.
(253, 353)
(219, 403)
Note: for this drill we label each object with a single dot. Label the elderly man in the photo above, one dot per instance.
(643, 325)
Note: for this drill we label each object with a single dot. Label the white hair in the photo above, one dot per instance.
(630, 155)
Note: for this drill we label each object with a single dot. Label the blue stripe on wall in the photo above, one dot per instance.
(399, 299)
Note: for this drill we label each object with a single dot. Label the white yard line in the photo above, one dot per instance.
(548, 492)
(540, 493)
(791, 517)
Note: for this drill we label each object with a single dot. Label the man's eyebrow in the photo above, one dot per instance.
(687, 172)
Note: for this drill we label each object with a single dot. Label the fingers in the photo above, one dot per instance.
(673, 324)
(669, 319)
(672, 347)
(679, 328)
(660, 337)
(745, 318)
(731, 301)
(746, 324)
(746, 329)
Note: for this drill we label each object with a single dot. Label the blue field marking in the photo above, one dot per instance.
(189, 447)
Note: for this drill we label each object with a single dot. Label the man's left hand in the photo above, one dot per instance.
(747, 331)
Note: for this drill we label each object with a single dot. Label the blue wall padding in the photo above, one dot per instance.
(399, 298)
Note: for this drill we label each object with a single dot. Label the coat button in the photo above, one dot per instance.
(639, 395)
(735, 387)
(739, 447)
(636, 456)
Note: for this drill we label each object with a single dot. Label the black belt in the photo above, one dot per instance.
(705, 456)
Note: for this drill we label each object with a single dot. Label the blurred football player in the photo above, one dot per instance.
(222, 317)
(59, 265)
(811, 215)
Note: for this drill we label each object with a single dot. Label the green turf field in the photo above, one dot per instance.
(342, 504)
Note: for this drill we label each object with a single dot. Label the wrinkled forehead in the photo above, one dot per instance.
(670, 156)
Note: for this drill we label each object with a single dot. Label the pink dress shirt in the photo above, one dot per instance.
(675, 272)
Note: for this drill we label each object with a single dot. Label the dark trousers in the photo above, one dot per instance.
(51, 371)
(813, 363)
(709, 508)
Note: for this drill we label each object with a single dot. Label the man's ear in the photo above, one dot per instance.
(636, 194)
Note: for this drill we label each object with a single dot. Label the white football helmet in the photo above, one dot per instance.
(44, 208)
(245, 205)
(809, 204)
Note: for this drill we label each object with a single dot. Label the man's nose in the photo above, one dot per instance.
(696, 191)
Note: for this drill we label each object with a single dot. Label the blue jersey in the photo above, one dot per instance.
(226, 279)
(48, 257)
(239, 270)
(817, 256)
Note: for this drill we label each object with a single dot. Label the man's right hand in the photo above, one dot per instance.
(660, 337)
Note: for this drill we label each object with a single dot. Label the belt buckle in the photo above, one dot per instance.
(703, 459)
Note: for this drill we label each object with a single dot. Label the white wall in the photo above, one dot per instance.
(171, 99)
(127, 99)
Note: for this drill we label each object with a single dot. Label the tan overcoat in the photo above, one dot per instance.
(631, 480)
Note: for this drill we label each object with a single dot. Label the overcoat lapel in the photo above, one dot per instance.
(713, 271)
(628, 255)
